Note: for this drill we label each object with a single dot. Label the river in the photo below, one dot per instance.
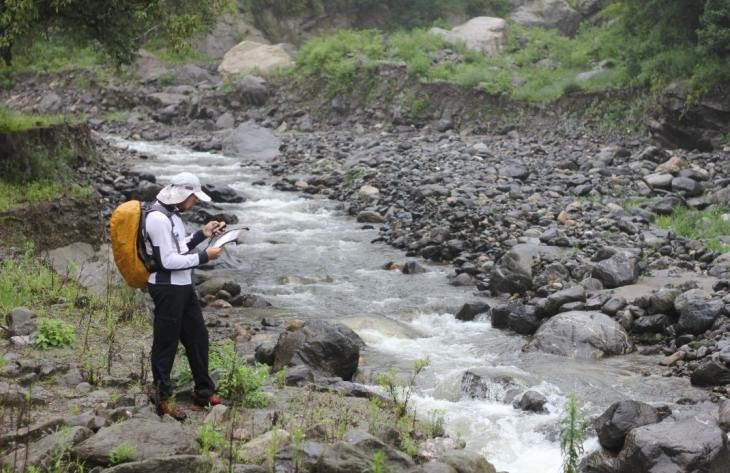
(404, 318)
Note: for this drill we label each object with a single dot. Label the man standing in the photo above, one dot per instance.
(178, 317)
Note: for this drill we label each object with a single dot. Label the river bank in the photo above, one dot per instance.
(559, 219)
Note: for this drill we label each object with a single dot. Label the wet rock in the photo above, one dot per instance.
(492, 384)
(531, 401)
(618, 270)
(558, 299)
(696, 312)
(413, 267)
(328, 349)
(223, 194)
(470, 310)
(662, 301)
(651, 324)
(613, 305)
(711, 372)
(369, 216)
(692, 444)
(581, 334)
(523, 319)
(513, 273)
(620, 418)
(216, 284)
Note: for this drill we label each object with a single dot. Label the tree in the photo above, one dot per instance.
(119, 26)
(715, 32)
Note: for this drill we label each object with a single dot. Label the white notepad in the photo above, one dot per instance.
(226, 238)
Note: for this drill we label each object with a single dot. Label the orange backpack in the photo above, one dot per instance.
(128, 236)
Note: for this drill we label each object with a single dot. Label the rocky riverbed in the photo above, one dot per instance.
(557, 222)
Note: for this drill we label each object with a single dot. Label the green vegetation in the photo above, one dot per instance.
(705, 225)
(12, 121)
(12, 195)
(27, 282)
(123, 452)
(120, 27)
(54, 333)
(573, 428)
(236, 379)
(399, 391)
(209, 438)
(630, 46)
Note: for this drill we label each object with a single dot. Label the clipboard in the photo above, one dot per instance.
(228, 237)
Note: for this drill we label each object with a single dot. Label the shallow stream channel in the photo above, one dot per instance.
(338, 276)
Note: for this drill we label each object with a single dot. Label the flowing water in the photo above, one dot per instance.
(336, 275)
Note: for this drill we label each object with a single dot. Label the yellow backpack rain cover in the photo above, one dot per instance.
(128, 243)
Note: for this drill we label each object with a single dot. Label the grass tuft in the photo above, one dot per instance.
(705, 225)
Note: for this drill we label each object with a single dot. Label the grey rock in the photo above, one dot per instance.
(513, 273)
(613, 305)
(464, 461)
(659, 180)
(190, 74)
(618, 270)
(21, 321)
(620, 418)
(150, 437)
(328, 349)
(696, 313)
(413, 267)
(171, 464)
(253, 90)
(690, 445)
(471, 309)
(656, 323)
(556, 300)
(724, 415)
(216, 284)
(223, 194)
(531, 401)
(710, 372)
(43, 452)
(662, 301)
(580, 334)
(252, 142)
(687, 186)
(369, 216)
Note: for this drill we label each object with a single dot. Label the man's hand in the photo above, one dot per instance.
(214, 229)
(214, 253)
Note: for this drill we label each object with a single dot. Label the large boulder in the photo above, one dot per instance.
(251, 141)
(484, 34)
(249, 56)
(252, 90)
(551, 14)
(150, 437)
(687, 446)
(581, 334)
(326, 349)
(620, 418)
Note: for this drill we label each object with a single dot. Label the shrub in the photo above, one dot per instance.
(238, 381)
(123, 452)
(209, 438)
(573, 428)
(54, 333)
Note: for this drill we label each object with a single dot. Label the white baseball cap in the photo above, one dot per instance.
(180, 187)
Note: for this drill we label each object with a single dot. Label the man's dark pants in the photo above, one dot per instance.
(178, 318)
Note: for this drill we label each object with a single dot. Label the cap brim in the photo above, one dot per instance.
(202, 196)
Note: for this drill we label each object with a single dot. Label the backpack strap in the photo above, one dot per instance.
(148, 208)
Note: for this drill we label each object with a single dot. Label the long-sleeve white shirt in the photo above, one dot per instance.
(172, 254)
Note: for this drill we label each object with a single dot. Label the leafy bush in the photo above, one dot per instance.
(54, 333)
(715, 32)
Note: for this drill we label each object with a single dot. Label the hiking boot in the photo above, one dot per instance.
(203, 401)
(171, 409)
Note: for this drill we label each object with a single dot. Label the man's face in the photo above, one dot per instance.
(188, 203)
